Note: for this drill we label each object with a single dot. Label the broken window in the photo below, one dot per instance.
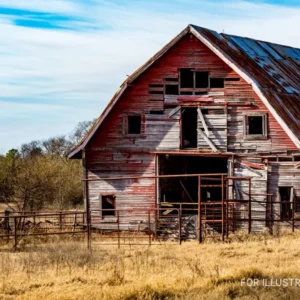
(108, 205)
(201, 79)
(216, 83)
(134, 124)
(286, 202)
(171, 89)
(256, 126)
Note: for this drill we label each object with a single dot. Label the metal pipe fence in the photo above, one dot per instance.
(171, 222)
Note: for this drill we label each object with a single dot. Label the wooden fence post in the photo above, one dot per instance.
(293, 216)
(149, 226)
(15, 232)
(118, 222)
(223, 207)
(249, 207)
(180, 223)
(199, 211)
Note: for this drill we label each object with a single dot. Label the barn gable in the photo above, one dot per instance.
(266, 67)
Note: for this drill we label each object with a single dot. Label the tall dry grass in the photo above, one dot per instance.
(67, 270)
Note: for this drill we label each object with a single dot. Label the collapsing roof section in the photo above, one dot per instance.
(273, 71)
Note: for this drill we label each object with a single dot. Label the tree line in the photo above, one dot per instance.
(38, 175)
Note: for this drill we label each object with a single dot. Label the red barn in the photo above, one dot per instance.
(216, 105)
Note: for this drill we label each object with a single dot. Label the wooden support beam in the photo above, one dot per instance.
(208, 141)
(185, 190)
(174, 111)
(203, 121)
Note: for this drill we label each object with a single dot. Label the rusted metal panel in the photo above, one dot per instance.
(276, 68)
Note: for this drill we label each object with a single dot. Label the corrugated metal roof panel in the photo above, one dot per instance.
(274, 67)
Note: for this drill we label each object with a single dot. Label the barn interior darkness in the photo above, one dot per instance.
(185, 189)
(189, 127)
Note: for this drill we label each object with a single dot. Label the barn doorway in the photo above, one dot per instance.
(184, 190)
(189, 127)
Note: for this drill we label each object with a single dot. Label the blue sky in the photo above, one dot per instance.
(62, 60)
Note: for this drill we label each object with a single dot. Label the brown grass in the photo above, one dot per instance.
(67, 270)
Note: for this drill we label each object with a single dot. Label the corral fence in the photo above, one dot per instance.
(139, 226)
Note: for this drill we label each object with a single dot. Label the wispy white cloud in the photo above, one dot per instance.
(65, 76)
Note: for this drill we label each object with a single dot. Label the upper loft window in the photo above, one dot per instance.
(134, 124)
(255, 126)
(190, 78)
(201, 80)
(216, 83)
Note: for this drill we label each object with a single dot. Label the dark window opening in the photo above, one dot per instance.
(232, 79)
(286, 203)
(189, 127)
(201, 93)
(186, 93)
(202, 80)
(171, 79)
(255, 125)
(186, 78)
(156, 112)
(156, 92)
(171, 89)
(108, 205)
(296, 158)
(156, 85)
(216, 83)
(134, 124)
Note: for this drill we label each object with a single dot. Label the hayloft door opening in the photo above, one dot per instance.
(189, 127)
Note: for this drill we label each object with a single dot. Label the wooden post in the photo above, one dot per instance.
(180, 223)
(75, 222)
(293, 215)
(149, 226)
(118, 222)
(15, 231)
(199, 211)
(86, 197)
(60, 221)
(249, 207)
(271, 221)
(223, 207)
(227, 207)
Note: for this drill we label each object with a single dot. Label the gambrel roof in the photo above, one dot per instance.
(273, 71)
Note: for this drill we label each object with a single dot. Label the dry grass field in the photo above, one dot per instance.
(67, 270)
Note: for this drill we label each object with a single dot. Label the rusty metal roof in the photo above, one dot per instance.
(272, 69)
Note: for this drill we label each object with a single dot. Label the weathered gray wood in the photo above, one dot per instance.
(200, 115)
(209, 142)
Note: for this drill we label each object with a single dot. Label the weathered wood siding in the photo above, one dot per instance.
(259, 188)
(165, 135)
(283, 174)
(112, 152)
